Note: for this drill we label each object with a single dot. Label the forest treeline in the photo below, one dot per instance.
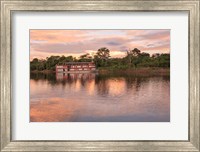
(133, 59)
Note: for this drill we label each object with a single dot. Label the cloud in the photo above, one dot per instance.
(54, 36)
(113, 43)
(44, 43)
(149, 35)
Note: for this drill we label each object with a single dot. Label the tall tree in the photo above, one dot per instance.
(136, 52)
(132, 56)
(103, 54)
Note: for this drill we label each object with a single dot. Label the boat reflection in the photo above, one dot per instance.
(75, 76)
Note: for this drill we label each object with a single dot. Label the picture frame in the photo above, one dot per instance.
(8, 7)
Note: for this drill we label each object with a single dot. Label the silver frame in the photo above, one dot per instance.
(8, 6)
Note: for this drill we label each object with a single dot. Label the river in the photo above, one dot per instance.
(99, 98)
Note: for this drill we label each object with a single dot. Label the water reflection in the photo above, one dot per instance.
(97, 98)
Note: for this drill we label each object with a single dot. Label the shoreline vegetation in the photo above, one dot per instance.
(134, 63)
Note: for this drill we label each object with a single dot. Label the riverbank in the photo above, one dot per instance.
(43, 71)
(133, 71)
(138, 71)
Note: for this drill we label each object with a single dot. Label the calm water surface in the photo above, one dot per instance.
(99, 98)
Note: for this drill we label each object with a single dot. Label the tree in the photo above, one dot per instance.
(34, 64)
(35, 60)
(103, 54)
(129, 57)
(132, 56)
(85, 58)
(155, 55)
(164, 60)
(51, 62)
(37, 64)
(69, 59)
(136, 52)
(143, 54)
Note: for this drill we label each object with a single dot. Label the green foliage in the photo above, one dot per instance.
(85, 58)
(49, 63)
(101, 57)
(134, 58)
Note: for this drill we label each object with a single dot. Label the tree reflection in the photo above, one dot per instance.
(102, 85)
(101, 80)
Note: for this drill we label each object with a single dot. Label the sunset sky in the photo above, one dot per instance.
(44, 43)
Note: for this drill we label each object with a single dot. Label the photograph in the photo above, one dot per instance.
(99, 75)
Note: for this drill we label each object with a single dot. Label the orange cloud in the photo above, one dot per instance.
(44, 43)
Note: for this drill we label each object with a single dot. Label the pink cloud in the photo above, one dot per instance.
(44, 43)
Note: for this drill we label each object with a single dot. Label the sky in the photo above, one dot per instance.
(44, 43)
